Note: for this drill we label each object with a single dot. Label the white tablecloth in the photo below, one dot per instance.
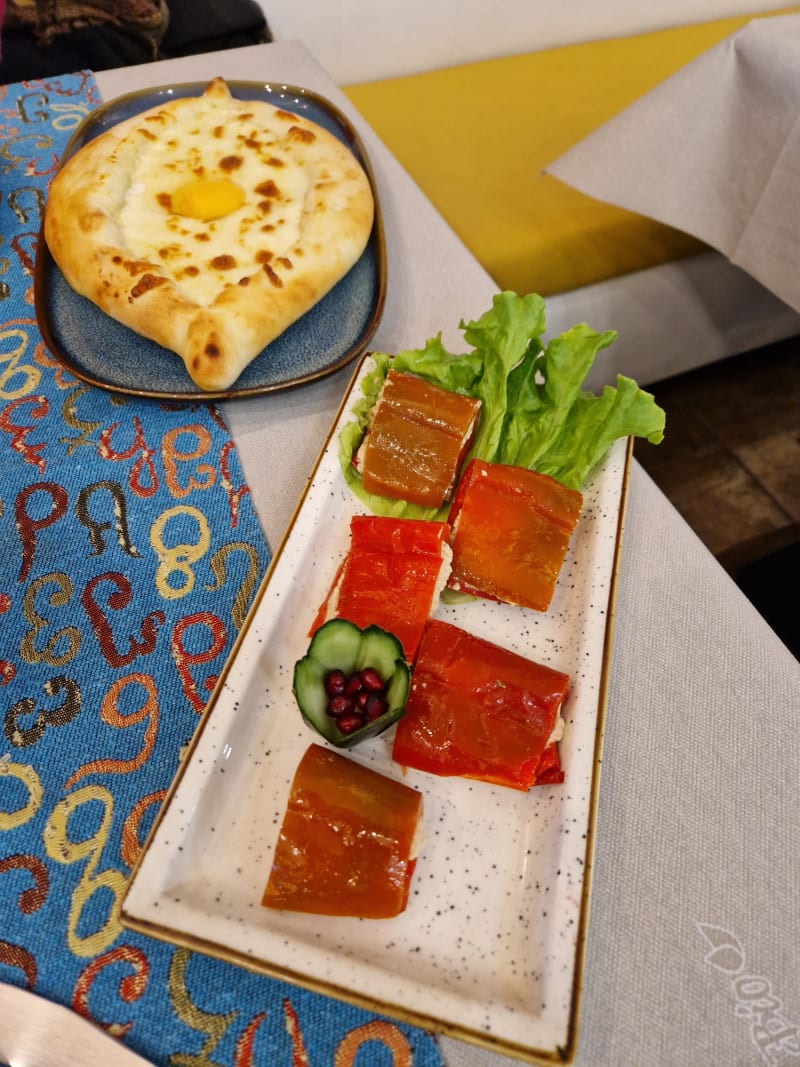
(695, 886)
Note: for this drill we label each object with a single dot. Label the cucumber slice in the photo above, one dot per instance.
(340, 645)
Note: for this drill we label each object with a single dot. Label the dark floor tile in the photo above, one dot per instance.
(725, 506)
(768, 583)
(774, 462)
(725, 497)
(742, 396)
(743, 553)
(754, 395)
(688, 446)
(730, 463)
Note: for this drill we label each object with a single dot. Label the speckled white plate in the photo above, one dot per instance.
(490, 947)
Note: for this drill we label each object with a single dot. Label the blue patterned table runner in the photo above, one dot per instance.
(130, 551)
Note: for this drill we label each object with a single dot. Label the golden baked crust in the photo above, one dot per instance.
(214, 290)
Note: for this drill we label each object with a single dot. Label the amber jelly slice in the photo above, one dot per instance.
(417, 441)
(511, 531)
(346, 842)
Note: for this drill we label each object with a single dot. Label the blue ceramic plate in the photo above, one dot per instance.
(99, 350)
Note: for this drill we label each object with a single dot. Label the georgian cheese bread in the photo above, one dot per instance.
(209, 224)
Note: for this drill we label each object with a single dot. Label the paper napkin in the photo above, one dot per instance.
(714, 151)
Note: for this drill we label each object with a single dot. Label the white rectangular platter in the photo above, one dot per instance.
(490, 947)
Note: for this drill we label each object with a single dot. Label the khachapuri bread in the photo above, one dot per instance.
(209, 224)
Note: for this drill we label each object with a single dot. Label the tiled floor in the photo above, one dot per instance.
(730, 462)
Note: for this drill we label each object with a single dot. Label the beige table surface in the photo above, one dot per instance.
(698, 815)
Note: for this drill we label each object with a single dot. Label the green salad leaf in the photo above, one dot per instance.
(535, 412)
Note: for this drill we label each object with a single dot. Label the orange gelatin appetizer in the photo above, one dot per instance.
(391, 576)
(346, 843)
(479, 711)
(416, 441)
(511, 529)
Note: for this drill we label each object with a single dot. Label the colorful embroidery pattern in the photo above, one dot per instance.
(130, 551)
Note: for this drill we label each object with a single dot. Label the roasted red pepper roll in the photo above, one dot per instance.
(391, 577)
(511, 530)
(346, 844)
(479, 711)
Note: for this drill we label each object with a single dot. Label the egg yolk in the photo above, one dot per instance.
(207, 198)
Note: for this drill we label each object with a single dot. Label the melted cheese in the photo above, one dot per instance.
(214, 204)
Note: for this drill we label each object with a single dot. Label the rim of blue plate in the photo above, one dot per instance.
(328, 337)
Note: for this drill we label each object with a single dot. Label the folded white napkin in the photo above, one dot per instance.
(714, 151)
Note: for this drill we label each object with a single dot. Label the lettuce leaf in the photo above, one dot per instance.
(534, 410)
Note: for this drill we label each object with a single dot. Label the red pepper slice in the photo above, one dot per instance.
(389, 577)
(417, 440)
(479, 711)
(344, 847)
(511, 530)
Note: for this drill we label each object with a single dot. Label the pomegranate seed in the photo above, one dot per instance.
(350, 722)
(335, 682)
(370, 679)
(374, 707)
(353, 685)
(356, 699)
(340, 705)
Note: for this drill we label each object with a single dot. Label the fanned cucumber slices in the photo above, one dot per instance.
(352, 683)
